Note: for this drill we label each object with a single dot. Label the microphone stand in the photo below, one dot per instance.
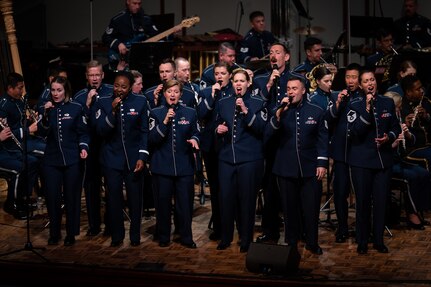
(28, 246)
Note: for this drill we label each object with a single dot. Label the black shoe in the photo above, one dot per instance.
(362, 249)
(222, 246)
(93, 232)
(116, 243)
(135, 243)
(315, 249)
(381, 248)
(177, 239)
(107, 232)
(52, 240)
(266, 238)
(9, 207)
(163, 244)
(341, 238)
(244, 249)
(20, 214)
(416, 226)
(190, 245)
(69, 240)
(214, 236)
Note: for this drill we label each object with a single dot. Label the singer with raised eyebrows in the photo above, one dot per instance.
(174, 139)
(373, 127)
(87, 97)
(301, 162)
(240, 124)
(122, 122)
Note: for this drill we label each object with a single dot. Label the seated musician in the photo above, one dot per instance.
(417, 199)
(128, 26)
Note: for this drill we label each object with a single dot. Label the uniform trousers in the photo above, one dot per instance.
(114, 179)
(341, 186)
(300, 198)
(181, 188)
(64, 184)
(371, 189)
(211, 167)
(239, 184)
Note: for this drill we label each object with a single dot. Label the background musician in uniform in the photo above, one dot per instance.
(313, 52)
(208, 100)
(122, 122)
(301, 161)
(128, 26)
(337, 118)
(227, 54)
(407, 67)
(412, 30)
(241, 120)
(373, 127)
(67, 139)
(182, 74)
(257, 41)
(320, 86)
(174, 135)
(13, 111)
(87, 97)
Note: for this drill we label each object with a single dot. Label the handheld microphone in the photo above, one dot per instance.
(220, 82)
(173, 107)
(96, 96)
(275, 67)
(238, 107)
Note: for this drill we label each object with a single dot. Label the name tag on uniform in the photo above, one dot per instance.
(183, 121)
(310, 121)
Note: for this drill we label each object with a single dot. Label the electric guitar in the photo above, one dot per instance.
(114, 57)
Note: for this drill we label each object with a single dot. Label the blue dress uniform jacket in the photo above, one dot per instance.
(65, 127)
(43, 98)
(207, 77)
(125, 134)
(364, 127)
(301, 154)
(81, 98)
(255, 44)
(243, 141)
(276, 93)
(207, 115)
(415, 31)
(172, 154)
(320, 98)
(338, 126)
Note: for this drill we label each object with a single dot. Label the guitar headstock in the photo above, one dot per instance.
(187, 23)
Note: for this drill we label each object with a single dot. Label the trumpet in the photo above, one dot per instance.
(4, 125)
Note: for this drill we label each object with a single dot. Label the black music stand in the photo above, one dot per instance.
(367, 26)
(28, 246)
(146, 57)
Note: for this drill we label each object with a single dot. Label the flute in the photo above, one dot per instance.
(4, 126)
(403, 141)
(415, 115)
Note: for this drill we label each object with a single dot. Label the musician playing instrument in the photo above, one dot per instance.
(122, 122)
(174, 136)
(128, 26)
(417, 198)
(257, 41)
(373, 127)
(320, 85)
(13, 110)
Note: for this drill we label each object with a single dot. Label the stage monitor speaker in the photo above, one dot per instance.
(272, 259)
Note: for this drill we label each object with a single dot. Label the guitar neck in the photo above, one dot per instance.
(163, 34)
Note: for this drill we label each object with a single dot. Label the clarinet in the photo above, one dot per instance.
(415, 115)
(403, 141)
(4, 126)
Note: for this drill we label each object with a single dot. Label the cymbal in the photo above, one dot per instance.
(258, 64)
(313, 30)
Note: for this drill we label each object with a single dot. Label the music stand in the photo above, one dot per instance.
(146, 57)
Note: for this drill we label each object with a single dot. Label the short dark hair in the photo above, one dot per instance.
(408, 81)
(285, 48)
(382, 33)
(127, 75)
(354, 66)
(13, 79)
(255, 14)
(310, 42)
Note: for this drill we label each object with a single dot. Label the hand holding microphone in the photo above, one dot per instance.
(170, 114)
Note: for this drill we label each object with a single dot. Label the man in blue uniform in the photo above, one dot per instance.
(129, 26)
(313, 52)
(300, 163)
(257, 41)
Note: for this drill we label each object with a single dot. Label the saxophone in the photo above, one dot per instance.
(4, 125)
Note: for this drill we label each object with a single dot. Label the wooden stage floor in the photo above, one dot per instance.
(92, 260)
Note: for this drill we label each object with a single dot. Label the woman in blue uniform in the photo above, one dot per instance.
(65, 128)
(174, 136)
(373, 127)
(122, 121)
(241, 120)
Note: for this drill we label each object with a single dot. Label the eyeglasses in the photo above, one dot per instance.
(94, 75)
